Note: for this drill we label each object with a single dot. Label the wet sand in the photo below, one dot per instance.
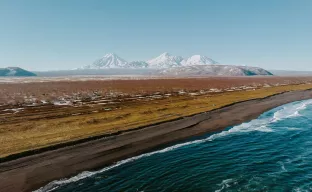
(32, 172)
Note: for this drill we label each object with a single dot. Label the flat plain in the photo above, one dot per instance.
(39, 113)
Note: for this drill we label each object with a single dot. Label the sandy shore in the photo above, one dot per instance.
(32, 172)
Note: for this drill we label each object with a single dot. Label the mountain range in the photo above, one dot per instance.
(164, 60)
(170, 65)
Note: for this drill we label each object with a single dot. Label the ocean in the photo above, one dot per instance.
(270, 153)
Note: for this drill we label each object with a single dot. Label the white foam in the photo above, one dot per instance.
(226, 184)
(292, 110)
(260, 125)
(293, 128)
(283, 169)
(299, 189)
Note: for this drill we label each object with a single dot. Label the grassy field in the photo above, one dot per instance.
(38, 127)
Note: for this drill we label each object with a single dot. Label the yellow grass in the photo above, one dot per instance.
(32, 134)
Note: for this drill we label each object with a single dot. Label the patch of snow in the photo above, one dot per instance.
(61, 103)
(44, 102)
(75, 114)
(12, 72)
(194, 94)
(15, 110)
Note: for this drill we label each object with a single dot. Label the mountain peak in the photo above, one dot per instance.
(165, 60)
(199, 60)
(197, 56)
(110, 55)
(110, 60)
(165, 54)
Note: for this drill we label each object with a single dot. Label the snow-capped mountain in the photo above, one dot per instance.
(112, 60)
(165, 60)
(168, 64)
(198, 60)
(109, 60)
(213, 70)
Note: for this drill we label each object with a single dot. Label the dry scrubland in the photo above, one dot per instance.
(35, 115)
(52, 90)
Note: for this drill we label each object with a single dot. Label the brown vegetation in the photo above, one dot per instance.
(48, 92)
(138, 103)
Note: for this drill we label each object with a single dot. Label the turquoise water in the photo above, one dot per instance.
(271, 153)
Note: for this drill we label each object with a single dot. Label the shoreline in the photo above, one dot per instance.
(105, 135)
(34, 171)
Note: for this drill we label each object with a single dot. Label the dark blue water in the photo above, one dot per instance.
(271, 153)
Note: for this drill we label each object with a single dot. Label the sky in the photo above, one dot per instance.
(65, 34)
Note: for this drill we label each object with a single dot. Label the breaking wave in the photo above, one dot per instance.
(289, 110)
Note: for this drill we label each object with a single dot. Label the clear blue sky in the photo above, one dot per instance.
(65, 34)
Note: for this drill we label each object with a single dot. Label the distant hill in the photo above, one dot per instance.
(213, 70)
(15, 72)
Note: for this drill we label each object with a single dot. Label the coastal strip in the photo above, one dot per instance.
(32, 172)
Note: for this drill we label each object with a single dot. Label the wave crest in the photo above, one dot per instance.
(289, 111)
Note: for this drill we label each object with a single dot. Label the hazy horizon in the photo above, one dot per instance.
(62, 35)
